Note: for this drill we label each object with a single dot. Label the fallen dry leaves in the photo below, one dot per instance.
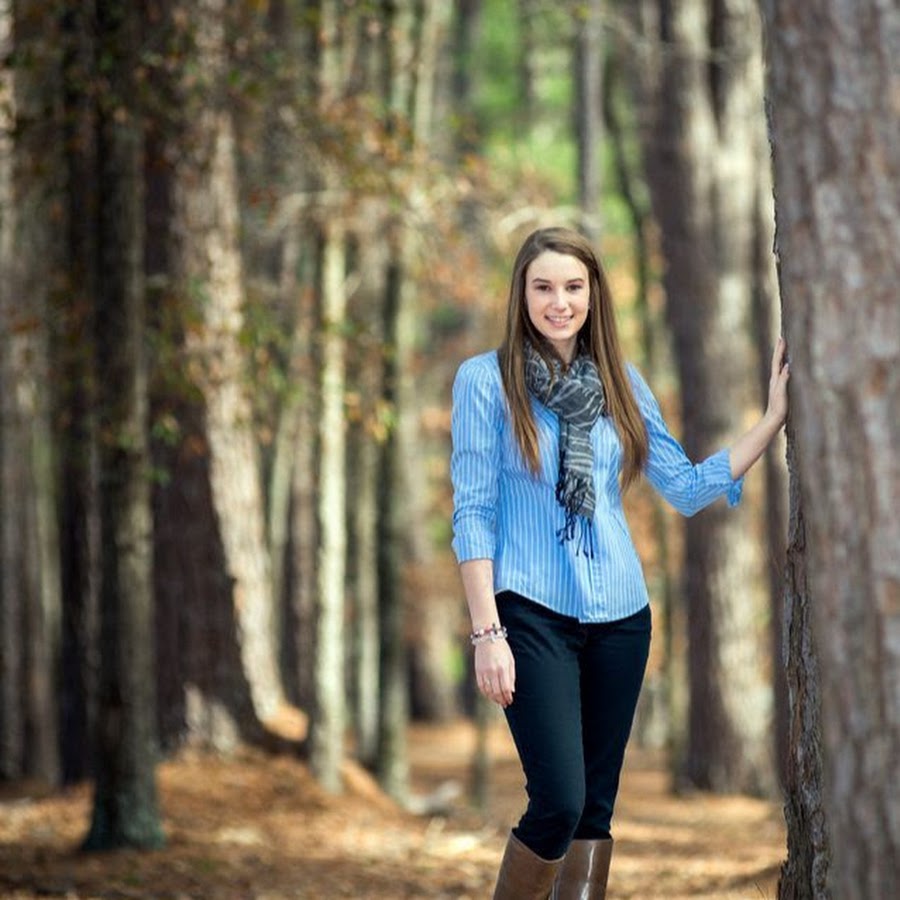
(257, 827)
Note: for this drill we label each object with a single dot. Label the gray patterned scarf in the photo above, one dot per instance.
(576, 396)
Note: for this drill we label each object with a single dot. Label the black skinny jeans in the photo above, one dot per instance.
(577, 686)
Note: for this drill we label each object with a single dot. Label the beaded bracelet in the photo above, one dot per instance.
(491, 633)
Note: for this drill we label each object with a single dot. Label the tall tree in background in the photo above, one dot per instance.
(76, 407)
(529, 42)
(11, 726)
(413, 55)
(588, 111)
(369, 416)
(329, 714)
(663, 701)
(30, 609)
(833, 90)
(329, 710)
(210, 270)
(704, 147)
(280, 253)
(125, 807)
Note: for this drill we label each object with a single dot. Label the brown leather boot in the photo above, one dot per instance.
(523, 874)
(584, 872)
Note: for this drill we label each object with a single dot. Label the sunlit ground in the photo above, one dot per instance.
(258, 827)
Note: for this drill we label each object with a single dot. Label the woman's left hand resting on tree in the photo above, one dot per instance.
(748, 448)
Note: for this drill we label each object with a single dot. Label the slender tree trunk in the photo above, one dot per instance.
(288, 436)
(125, 807)
(588, 59)
(833, 89)
(329, 721)
(393, 763)
(11, 708)
(467, 17)
(78, 476)
(302, 587)
(329, 714)
(365, 583)
(31, 595)
(703, 155)
(529, 42)
(368, 439)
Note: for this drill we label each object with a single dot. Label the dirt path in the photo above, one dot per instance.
(258, 828)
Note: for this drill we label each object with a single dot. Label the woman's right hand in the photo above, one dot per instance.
(495, 671)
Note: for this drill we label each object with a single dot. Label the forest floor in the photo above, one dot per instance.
(255, 826)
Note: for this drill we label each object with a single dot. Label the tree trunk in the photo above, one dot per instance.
(78, 477)
(663, 702)
(329, 708)
(413, 60)
(588, 59)
(30, 588)
(467, 17)
(304, 524)
(206, 201)
(833, 88)
(328, 713)
(805, 872)
(125, 807)
(368, 436)
(767, 316)
(12, 727)
(703, 154)
(530, 41)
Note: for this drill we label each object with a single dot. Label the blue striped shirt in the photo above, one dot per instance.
(503, 512)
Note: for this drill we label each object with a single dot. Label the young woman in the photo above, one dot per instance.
(548, 432)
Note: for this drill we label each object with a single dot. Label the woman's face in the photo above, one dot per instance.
(557, 295)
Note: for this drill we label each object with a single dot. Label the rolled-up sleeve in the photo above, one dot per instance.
(688, 486)
(476, 422)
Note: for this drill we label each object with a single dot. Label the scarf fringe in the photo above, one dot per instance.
(581, 528)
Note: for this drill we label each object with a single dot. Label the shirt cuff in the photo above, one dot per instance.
(735, 491)
(473, 546)
(734, 487)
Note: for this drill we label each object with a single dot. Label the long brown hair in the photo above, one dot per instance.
(598, 338)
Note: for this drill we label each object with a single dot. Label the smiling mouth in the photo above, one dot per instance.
(553, 320)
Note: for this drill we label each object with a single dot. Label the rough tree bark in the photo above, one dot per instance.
(805, 872)
(834, 94)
